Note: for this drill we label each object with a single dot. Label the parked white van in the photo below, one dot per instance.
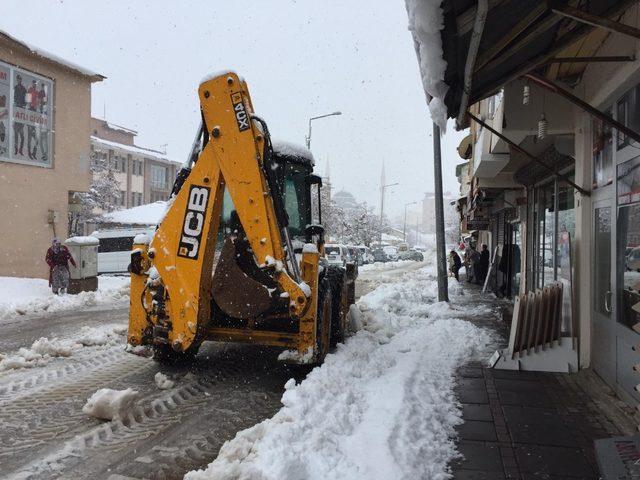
(336, 254)
(114, 251)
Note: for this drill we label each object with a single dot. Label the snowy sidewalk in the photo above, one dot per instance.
(530, 425)
(24, 296)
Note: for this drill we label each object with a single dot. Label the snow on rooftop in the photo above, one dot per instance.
(133, 149)
(282, 147)
(113, 126)
(52, 57)
(425, 23)
(149, 214)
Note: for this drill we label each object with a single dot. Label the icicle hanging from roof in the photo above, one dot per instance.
(425, 23)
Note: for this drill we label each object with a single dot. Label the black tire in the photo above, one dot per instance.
(166, 355)
(323, 327)
(339, 304)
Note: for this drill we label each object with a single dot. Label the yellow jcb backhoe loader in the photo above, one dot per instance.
(238, 256)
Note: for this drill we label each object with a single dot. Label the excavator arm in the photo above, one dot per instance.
(174, 295)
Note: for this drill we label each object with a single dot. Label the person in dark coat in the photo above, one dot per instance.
(58, 258)
(454, 264)
(484, 263)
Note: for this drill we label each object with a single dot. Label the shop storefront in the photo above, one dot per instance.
(616, 248)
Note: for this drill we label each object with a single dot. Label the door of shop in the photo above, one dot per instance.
(626, 302)
(604, 331)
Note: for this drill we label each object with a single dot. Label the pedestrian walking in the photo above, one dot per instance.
(58, 258)
(471, 258)
(454, 264)
(484, 263)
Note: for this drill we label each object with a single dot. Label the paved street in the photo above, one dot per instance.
(169, 432)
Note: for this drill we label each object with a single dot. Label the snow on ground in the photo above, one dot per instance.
(380, 407)
(163, 382)
(379, 266)
(44, 350)
(107, 404)
(20, 296)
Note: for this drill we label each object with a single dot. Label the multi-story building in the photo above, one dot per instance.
(144, 175)
(45, 111)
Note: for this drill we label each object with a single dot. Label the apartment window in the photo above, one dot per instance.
(158, 177)
(602, 144)
(123, 164)
(137, 167)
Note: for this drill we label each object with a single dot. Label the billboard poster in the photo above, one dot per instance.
(26, 117)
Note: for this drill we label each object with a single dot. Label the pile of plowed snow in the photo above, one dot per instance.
(107, 404)
(21, 296)
(381, 406)
(44, 350)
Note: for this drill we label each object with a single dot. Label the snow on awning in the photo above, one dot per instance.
(425, 23)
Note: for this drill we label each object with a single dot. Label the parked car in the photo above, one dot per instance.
(392, 252)
(365, 253)
(411, 255)
(379, 255)
(336, 254)
(114, 251)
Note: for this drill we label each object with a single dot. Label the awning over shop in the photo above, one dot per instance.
(518, 37)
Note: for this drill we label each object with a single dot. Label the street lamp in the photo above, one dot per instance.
(382, 187)
(404, 228)
(308, 138)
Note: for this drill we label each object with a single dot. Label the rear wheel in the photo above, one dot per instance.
(339, 304)
(323, 321)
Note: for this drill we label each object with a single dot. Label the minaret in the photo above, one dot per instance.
(326, 180)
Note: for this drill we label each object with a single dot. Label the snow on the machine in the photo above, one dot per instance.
(44, 350)
(381, 406)
(107, 404)
(21, 296)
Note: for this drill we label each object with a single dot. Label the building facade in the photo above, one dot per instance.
(144, 175)
(45, 111)
(568, 210)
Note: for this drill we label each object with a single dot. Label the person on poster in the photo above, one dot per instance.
(20, 101)
(19, 93)
(32, 105)
(32, 96)
(42, 98)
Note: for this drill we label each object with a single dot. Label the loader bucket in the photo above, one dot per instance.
(234, 291)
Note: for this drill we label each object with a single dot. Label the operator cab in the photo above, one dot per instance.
(300, 190)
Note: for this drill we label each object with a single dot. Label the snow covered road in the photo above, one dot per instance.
(382, 406)
(44, 433)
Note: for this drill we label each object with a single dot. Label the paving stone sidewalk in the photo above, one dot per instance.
(530, 425)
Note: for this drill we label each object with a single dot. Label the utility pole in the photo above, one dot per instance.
(443, 286)
(308, 137)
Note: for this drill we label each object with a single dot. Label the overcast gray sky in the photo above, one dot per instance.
(300, 59)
